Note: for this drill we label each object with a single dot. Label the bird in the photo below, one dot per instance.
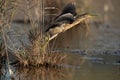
(67, 16)
(69, 8)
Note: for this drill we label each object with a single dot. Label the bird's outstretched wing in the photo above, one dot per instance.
(69, 18)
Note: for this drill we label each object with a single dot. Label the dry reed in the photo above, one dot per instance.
(37, 53)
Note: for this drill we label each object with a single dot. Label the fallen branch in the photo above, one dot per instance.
(56, 31)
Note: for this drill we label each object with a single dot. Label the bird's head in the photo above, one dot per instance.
(69, 8)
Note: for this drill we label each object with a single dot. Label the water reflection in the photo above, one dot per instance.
(86, 66)
(39, 74)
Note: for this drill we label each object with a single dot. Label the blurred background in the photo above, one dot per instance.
(101, 32)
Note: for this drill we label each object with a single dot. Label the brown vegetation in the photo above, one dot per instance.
(37, 53)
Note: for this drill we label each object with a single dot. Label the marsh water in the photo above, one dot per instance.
(96, 57)
(79, 66)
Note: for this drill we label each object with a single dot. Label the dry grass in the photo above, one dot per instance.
(6, 15)
(2, 54)
(37, 53)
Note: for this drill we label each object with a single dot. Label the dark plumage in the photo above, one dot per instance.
(54, 25)
(69, 8)
(67, 15)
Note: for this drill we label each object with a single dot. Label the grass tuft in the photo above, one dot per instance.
(38, 54)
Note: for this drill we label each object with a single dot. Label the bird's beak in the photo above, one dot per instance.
(87, 14)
